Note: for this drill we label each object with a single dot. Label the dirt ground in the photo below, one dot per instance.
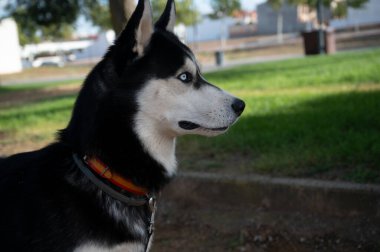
(186, 233)
(197, 216)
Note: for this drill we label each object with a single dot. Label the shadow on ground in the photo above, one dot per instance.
(333, 137)
(214, 213)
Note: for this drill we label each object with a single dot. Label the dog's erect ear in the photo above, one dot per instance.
(167, 19)
(138, 32)
(145, 29)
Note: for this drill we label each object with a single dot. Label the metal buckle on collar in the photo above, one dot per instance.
(152, 204)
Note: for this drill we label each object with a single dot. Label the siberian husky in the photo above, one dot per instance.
(95, 188)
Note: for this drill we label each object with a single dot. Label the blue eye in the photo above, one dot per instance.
(185, 77)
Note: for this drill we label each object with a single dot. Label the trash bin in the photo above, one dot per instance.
(219, 58)
(310, 41)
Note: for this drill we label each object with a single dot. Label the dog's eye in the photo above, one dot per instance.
(185, 77)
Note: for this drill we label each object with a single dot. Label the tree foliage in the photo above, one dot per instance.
(99, 14)
(186, 11)
(54, 19)
(224, 7)
(327, 3)
(121, 11)
(276, 4)
(339, 8)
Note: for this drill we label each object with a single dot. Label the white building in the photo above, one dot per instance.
(209, 29)
(97, 48)
(54, 48)
(10, 55)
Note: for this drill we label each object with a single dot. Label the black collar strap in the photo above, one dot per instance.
(148, 200)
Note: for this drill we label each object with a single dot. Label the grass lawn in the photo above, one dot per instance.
(314, 117)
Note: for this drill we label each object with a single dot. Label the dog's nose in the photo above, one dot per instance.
(238, 106)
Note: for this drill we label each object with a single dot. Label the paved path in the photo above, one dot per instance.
(206, 68)
(46, 79)
(256, 60)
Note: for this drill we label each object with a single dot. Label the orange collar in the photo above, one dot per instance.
(104, 171)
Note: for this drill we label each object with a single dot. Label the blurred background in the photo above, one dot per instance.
(299, 172)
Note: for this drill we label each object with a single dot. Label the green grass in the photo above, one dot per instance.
(33, 125)
(351, 68)
(314, 117)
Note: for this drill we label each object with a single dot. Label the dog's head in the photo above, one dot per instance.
(162, 73)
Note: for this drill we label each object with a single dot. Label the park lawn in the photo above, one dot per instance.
(315, 117)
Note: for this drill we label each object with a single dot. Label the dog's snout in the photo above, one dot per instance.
(238, 106)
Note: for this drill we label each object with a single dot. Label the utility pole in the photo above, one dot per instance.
(321, 35)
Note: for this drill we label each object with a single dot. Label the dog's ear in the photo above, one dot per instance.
(133, 40)
(145, 28)
(168, 18)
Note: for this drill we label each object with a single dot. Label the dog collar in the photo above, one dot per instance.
(89, 166)
(105, 172)
(102, 170)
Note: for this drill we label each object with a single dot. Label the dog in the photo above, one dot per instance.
(95, 188)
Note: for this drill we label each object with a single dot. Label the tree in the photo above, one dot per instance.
(186, 14)
(224, 7)
(54, 19)
(121, 11)
(338, 8)
(36, 19)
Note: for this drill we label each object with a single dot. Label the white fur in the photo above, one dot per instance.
(145, 29)
(172, 19)
(124, 247)
(157, 141)
(163, 103)
(120, 213)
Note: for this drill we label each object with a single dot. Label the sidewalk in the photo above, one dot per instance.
(256, 60)
(43, 80)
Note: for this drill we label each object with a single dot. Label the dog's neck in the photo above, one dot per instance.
(137, 151)
(160, 144)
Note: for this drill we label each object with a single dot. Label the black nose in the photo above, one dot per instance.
(238, 106)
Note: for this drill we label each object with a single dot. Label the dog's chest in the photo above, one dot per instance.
(124, 247)
(129, 217)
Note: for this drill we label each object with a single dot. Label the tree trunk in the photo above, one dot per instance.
(121, 11)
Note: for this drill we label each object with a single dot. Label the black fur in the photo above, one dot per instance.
(164, 20)
(47, 203)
